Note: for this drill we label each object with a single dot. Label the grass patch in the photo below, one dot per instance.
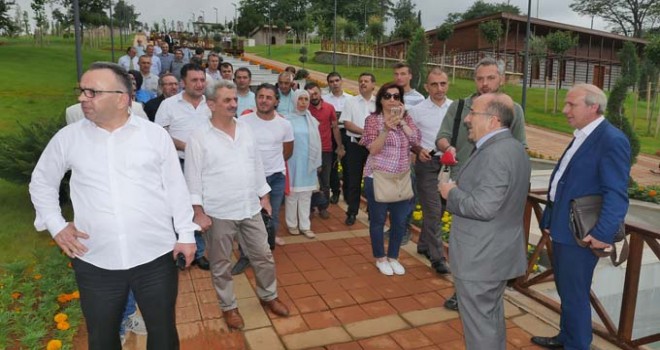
(535, 114)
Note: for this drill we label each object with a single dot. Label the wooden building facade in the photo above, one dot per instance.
(594, 60)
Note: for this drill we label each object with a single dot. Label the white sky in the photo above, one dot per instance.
(433, 11)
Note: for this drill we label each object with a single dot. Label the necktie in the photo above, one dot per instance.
(131, 66)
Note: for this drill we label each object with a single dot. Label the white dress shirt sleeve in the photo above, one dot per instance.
(45, 185)
(163, 117)
(193, 168)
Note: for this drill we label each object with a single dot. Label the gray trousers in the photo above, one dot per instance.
(429, 198)
(482, 313)
(253, 238)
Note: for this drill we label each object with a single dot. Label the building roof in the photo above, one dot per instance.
(274, 28)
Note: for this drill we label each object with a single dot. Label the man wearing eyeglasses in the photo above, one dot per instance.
(130, 202)
(487, 201)
(489, 77)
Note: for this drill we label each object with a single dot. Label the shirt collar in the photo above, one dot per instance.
(589, 128)
(489, 136)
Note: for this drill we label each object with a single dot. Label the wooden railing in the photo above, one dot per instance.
(638, 236)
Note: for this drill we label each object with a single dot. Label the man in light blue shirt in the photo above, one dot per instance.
(284, 88)
(246, 98)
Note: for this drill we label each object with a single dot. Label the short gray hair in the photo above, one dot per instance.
(593, 95)
(489, 61)
(502, 106)
(212, 88)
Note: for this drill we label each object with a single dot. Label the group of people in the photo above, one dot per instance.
(219, 157)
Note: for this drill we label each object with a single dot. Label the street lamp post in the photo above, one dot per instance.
(334, 42)
(270, 29)
(233, 27)
(202, 11)
(216, 14)
(76, 28)
(526, 60)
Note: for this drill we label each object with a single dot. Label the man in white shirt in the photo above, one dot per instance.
(428, 117)
(402, 77)
(227, 202)
(130, 60)
(149, 79)
(286, 105)
(337, 98)
(246, 98)
(75, 113)
(275, 142)
(155, 61)
(130, 201)
(355, 112)
(212, 69)
(139, 48)
(180, 115)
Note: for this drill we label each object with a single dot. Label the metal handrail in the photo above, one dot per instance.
(637, 235)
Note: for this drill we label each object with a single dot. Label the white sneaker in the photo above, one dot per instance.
(397, 268)
(293, 231)
(384, 267)
(134, 323)
(122, 338)
(308, 233)
(279, 241)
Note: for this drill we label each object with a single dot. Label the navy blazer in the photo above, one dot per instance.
(600, 166)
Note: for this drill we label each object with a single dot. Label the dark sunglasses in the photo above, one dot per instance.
(387, 96)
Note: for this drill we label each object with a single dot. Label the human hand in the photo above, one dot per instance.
(188, 250)
(203, 220)
(341, 152)
(424, 155)
(265, 204)
(67, 240)
(596, 244)
(445, 188)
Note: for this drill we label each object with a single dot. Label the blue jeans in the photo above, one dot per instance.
(276, 182)
(131, 308)
(201, 245)
(377, 215)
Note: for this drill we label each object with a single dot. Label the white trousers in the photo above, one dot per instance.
(297, 208)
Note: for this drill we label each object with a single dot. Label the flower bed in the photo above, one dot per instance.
(644, 193)
(39, 308)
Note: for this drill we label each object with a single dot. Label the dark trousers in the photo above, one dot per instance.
(356, 156)
(324, 175)
(103, 295)
(430, 239)
(334, 173)
(574, 269)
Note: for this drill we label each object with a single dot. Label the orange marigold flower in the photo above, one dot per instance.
(69, 265)
(51, 243)
(653, 193)
(75, 295)
(62, 298)
(37, 276)
(63, 326)
(15, 295)
(60, 317)
(54, 344)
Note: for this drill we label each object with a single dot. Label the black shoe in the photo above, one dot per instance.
(452, 303)
(242, 264)
(350, 220)
(335, 198)
(440, 267)
(202, 263)
(548, 342)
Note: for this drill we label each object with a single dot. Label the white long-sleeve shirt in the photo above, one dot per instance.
(127, 190)
(225, 175)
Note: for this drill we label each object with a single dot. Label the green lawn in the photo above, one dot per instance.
(536, 114)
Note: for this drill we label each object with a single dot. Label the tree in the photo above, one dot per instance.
(405, 20)
(253, 14)
(26, 22)
(559, 42)
(628, 17)
(38, 6)
(443, 32)
(303, 56)
(357, 11)
(492, 31)
(350, 30)
(92, 12)
(6, 23)
(615, 112)
(417, 56)
(481, 9)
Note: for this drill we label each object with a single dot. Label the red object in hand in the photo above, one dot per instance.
(448, 159)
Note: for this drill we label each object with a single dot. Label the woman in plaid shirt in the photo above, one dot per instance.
(389, 133)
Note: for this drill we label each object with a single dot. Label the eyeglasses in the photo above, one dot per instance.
(91, 93)
(480, 113)
(388, 96)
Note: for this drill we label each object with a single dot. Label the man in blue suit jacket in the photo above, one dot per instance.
(597, 162)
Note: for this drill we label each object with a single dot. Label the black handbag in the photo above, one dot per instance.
(584, 213)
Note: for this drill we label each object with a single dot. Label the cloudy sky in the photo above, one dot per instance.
(433, 11)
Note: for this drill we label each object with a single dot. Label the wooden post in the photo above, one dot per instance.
(648, 106)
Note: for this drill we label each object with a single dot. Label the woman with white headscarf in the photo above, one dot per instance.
(303, 166)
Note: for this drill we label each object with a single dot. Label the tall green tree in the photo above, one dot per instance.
(375, 28)
(124, 14)
(405, 20)
(417, 57)
(559, 43)
(39, 8)
(481, 8)
(443, 32)
(92, 12)
(628, 17)
(492, 31)
(6, 23)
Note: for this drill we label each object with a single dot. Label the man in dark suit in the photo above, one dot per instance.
(487, 201)
(597, 161)
(168, 85)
